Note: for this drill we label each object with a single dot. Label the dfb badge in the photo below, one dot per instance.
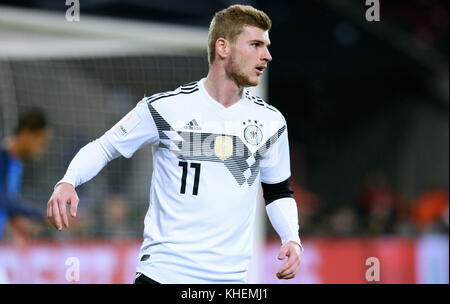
(253, 134)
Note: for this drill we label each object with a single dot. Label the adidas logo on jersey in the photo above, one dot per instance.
(192, 125)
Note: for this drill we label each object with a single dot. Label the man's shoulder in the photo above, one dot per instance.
(263, 107)
(183, 91)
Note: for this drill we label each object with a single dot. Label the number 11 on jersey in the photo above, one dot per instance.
(195, 166)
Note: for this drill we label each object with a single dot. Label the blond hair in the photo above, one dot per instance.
(229, 23)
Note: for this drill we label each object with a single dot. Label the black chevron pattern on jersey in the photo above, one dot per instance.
(161, 125)
(262, 151)
(191, 148)
(159, 121)
(242, 164)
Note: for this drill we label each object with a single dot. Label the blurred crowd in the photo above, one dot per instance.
(426, 20)
(377, 209)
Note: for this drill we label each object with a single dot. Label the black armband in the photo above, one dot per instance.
(273, 192)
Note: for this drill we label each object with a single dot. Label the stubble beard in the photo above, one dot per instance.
(236, 74)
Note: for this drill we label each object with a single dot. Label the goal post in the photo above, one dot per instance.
(86, 75)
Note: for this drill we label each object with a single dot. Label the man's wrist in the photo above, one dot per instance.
(299, 243)
(64, 182)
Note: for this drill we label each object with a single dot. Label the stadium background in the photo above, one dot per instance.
(367, 111)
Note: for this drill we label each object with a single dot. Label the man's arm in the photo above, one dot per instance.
(280, 204)
(133, 131)
(86, 164)
(282, 212)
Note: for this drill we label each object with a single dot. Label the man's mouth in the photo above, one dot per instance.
(260, 69)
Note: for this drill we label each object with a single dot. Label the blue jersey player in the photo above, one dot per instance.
(27, 142)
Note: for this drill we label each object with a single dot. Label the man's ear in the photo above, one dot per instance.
(222, 48)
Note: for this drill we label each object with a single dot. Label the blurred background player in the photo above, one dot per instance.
(28, 142)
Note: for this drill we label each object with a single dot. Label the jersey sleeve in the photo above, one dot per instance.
(134, 130)
(275, 164)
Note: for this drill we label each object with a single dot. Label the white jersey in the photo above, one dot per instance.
(208, 161)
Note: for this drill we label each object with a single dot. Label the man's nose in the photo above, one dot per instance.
(266, 56)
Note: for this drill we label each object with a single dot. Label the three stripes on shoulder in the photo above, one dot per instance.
(184, 89)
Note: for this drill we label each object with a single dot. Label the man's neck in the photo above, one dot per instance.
(221, 88)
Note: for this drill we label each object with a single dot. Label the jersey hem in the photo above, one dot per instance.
(154, 276)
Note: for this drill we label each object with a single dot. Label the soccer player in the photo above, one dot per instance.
(28, 141)
(213, 143)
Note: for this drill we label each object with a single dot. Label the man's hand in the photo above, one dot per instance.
(290, 268)
(56, 207)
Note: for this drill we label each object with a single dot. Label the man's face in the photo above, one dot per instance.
(34, 142)
(249, 56)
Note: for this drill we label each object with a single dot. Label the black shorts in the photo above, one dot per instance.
(142, 279)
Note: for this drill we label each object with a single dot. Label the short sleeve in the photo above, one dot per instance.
(134, 130)
(275, 164)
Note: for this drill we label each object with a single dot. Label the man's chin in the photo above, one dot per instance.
(254, 83)
(244, 81)
(250, 83)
